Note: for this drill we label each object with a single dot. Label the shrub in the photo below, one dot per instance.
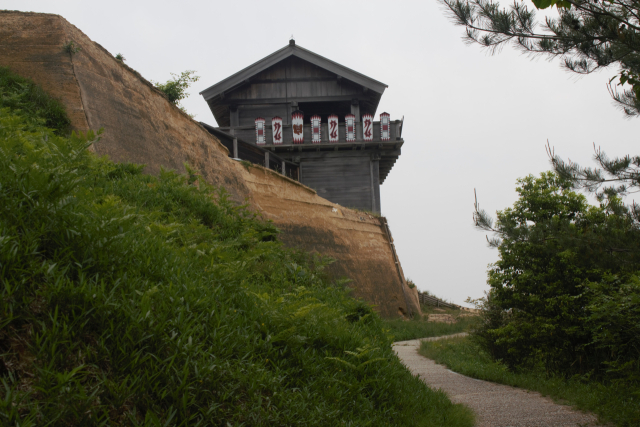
(176, 88)
(71, 47)
(21, 94)
(561, 288)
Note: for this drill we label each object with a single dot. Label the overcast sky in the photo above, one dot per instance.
(472, 120)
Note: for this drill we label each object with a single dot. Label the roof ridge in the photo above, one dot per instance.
(284, 53)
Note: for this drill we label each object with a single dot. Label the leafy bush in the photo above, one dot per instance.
(18, 93)
(561, 285)
(128, 299)
(614, 319)
(71, 47)
(176, 88)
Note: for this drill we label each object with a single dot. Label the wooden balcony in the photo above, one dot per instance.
(289, 156)
(248, 133)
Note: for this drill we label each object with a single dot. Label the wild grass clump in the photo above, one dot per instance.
(613, 402)
(419, 327)
(128, 299)
(21, 94)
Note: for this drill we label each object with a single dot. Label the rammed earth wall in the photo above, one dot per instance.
(141, 126)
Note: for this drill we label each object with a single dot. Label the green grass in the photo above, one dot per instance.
(615, 403)
(134, 300)
(38, 108)
(402, 330)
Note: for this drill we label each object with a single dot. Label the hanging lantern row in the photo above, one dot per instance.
(350, 127)
(367, 127)
(333, 128)
(261, 135)
(315, 129)
(385, 126)
(297, 127)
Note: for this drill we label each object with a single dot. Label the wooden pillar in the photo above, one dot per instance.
(266, 159)
(374, 167)
(235, 148)
(284, 165)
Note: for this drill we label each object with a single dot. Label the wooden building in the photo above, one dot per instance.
(311, 119)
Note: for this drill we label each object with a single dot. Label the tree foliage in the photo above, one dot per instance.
(615, 177)
(19, 93)
(560, 264)
(587, 34)
(176, 88)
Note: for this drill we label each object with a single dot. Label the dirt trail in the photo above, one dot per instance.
(495, 405)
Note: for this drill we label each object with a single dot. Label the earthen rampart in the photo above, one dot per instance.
(141, 126)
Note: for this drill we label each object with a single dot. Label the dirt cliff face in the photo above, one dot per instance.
(355, 239)
(141, 126)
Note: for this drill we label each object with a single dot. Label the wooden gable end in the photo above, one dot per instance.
(292, 79)
(289, 79)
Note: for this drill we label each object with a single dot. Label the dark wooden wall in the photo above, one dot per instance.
(289, 85)
(294, 78)
(247, 114)
(342, 177)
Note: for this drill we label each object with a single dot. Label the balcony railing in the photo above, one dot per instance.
(248, 133)
(241, 150)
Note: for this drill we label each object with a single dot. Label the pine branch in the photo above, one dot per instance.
(589, 36)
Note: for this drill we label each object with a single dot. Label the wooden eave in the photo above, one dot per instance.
(243, 76)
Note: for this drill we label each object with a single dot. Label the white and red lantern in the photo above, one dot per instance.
(276, 130)
(350, 127)
(297, 125)
(367, 127)
(385, 126)
(315, 129)
(261, 137)
(332, 125)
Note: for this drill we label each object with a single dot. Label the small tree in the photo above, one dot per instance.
(587, 34)
(176, 88)
(552, 244)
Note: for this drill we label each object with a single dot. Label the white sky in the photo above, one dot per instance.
(472, 120)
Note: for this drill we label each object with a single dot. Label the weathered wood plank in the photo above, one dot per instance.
(342, 180)
(276, 100)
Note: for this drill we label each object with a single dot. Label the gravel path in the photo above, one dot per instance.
(495, 405)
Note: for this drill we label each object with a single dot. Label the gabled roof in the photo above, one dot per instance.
(292, 50)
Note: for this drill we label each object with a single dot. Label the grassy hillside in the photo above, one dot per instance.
(128, 299)
(420, 327)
